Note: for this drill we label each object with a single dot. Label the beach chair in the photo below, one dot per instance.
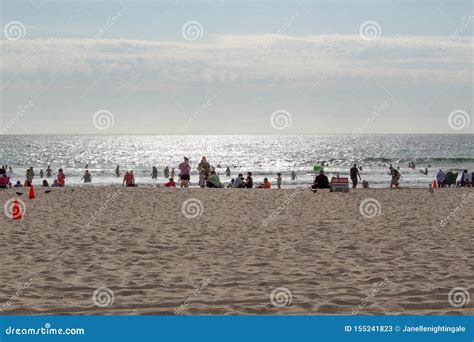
(4, 181)
(451, 179)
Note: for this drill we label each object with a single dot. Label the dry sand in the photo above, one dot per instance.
(140, 254)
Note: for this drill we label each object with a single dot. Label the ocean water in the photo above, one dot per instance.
(263, 155)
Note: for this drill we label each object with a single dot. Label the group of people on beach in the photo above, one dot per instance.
(209, 178)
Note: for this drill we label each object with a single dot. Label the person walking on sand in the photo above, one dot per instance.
(205, 166)
(184, 170)
(354, 171)
(154, 172)
(30, 174)
(440, 178)
(87, 177)
(61, 177)
(395, 179)
(117, 171)
(49, 171)
(166, 172)
(293, 175)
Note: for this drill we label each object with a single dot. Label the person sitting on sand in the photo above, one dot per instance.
(248, 181)
(18, 184)
(87, 177)
(61, 177)
(321, 181)
(55, 184)
(266, 184)
(214, 181)
(171, 183)
(184, 169)
(45, 183)
(365, 184)
(128, 179)
(238, 182)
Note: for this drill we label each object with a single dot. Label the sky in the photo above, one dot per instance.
(236, 67)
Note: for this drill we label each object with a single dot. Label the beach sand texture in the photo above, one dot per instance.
(110, 250)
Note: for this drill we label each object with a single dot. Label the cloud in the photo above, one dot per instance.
(244, 59)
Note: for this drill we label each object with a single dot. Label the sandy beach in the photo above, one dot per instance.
(111, 250)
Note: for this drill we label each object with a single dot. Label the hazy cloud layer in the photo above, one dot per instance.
(256, 59)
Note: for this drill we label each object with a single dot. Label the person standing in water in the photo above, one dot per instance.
(48, 171)
(279, 180)
(41, 173)
(172, 173)
(154, 172)
(227, 172)
(87, 177)
(166, 172)
(354, 172)
(293, 175)
(184, 169)
(117, 171)
(30, 174)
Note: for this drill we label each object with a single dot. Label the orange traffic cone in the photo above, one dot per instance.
(32, 192)
(434, 184)
(16, 212)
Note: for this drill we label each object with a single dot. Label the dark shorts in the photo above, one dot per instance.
(185, 177)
